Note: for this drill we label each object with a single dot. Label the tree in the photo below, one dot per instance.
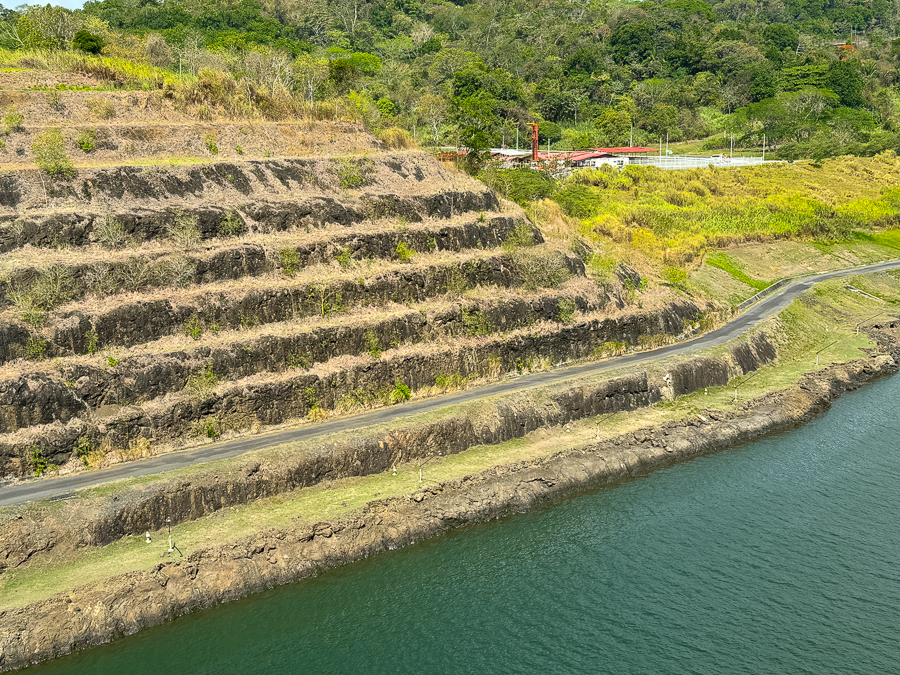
(310, 72)
(844, 80)
(433, 111)
(86, 42)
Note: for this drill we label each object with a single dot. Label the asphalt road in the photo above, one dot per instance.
(65, 485)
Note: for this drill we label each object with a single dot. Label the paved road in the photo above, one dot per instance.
(65, 485)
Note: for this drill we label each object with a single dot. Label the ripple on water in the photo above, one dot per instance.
(780, 556)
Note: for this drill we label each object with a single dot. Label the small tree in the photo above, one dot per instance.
(86, 42)
(50, 155)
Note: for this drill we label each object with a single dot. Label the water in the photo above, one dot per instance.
(778, 557)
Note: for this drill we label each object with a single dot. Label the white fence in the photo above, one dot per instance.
(675, 162)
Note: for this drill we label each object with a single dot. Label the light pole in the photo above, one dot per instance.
(599, 422)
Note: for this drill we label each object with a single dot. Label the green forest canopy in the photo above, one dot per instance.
(593, 71)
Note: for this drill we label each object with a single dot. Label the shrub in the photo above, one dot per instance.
(86, 42)
(353, 173)
(13, 120)
(184, 230)
(92, 340)
(209, 427)
(290, 261)
(87, 140)
(404, 252)
(540, 268)
(400, 393)
(211, 145)
(601, 267)
(37, 460)
(110, 232)
(373, 344)
(231, 225)
(84, 449)
(50, 155)
(675, 276)
(344, 258)
(299, 360)
(200, 385)
(521, 236)
(239, 150)
(193, 327)
(101, 108)
(565, 310)
(396, 139)
(476, 323)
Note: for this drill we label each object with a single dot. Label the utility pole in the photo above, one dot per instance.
(517, 137)
(732, 146)
(631, 138)
(667, 144)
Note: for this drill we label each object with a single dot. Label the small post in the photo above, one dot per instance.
(823, 349)
(741, 384)
(423, 464)
(874, 316)
(169, 527)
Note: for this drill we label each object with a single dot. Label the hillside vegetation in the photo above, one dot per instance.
(809, 77)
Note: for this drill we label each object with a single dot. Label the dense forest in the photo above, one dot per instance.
(813, 77)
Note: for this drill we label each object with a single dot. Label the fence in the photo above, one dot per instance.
(676, 162)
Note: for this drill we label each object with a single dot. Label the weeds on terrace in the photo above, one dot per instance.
(184, 230)
(201, 385)
(477, 323)
(84, 450)
(404, 252)
(344, 258)
(290, 261)
(37, 461)
(210, 141)
(354, 173)
(328, 301)
(601, 268)
(373, 344)
(108, 231)
(231, 225)
(368, 398)
(210, 427)
(101, 108)
(520, 237)
(565, 310)
(194, 327)
(12, 121)
(87, 140)
(50, 155)
(35, 349)
(453, 381)
(540, 268)
(53, 287)
(675, 276)
(299, 360)
(92, 340)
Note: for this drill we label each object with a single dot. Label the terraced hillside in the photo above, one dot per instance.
(151, 297)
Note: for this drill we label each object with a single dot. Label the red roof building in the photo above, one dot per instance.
(626, 151)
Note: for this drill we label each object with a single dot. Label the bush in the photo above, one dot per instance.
(211, 145)
(290, 261)
(522, 235)
(87, 140)
(193, 327)
(35, 349)
(675, 276)
(231, 225)
(354, 173)
(86, 42)
(565, 310)
(396, 139)
(37, 461)
(110, 232)
(400, 393)
(13, 120)
(200, 385)
(540, 268)
(520, 185)
(373, 344)
(50, 155)
(184, 230)
(102, 108)
(477, 323)
(404, 252)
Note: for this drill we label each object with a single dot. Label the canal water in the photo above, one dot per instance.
(778, 557)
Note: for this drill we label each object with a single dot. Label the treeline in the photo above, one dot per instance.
(811, 77)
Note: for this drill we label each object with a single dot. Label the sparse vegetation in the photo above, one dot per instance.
(12, 121)
(200, 385)
(109, 231)
(354, 173)
(477, 323)
(183, 230)
(86, 140)
(194, 327)
(210, 141)
(101, 108)
(373, 345)
(37, 461)
(231, 225)
(50, 155)
(565, 310)
(404, 253)
(290, 261)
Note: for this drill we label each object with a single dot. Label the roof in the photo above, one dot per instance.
(626, 151)
(588, 154)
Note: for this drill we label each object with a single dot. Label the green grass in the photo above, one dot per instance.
(732, 267)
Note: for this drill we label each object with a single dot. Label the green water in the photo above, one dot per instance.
(777, 557)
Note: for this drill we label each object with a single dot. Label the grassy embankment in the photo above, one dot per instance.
(827, 313)
(727, 233)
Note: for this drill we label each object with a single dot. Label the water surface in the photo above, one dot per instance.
(776, 557)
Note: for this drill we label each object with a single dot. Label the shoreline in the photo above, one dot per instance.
(98, 613)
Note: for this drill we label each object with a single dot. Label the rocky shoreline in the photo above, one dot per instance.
(96, 614)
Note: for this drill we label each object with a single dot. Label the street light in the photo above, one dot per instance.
(869, 319)
(741, 384)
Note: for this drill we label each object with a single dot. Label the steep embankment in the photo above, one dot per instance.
(123, 605)
(149, 297)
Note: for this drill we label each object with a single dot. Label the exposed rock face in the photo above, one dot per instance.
(96, 614)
